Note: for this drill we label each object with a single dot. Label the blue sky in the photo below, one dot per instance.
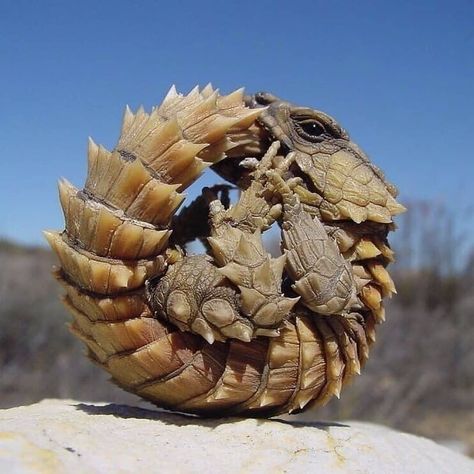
(399, 75)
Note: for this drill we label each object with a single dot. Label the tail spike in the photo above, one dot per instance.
(170, 95)
(127, 120)
(207, 90)
(232, 100)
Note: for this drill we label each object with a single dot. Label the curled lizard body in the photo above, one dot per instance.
(235, 331)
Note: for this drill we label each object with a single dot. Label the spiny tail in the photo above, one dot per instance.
(117, 228)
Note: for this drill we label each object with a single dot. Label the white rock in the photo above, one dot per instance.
(66, 436)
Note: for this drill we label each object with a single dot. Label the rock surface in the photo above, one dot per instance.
(66, 436)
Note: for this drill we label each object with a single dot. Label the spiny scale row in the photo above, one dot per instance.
(105, 231)
(185, 134)
(99, 275)
(127, 185)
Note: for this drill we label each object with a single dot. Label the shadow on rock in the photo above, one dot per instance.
(320, 425)
(181, 419)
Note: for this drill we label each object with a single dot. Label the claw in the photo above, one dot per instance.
(201, 327)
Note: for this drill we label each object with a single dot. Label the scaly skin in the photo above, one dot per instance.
(235, 331)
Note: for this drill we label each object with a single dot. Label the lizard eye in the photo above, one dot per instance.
(310, 129)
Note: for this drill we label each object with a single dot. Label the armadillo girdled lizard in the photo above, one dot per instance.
(234, 331)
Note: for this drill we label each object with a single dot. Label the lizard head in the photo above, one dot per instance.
(339, 180)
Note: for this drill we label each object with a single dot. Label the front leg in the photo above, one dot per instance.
(322, 277)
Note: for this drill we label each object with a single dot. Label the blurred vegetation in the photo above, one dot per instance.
(419, 378)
